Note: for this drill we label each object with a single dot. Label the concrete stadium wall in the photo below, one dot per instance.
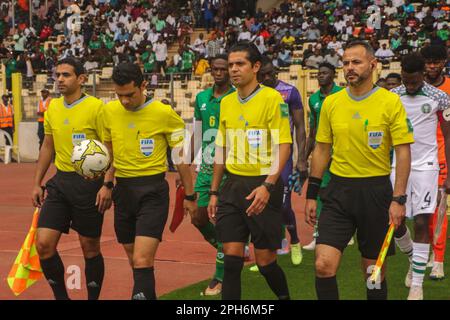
(28, 141)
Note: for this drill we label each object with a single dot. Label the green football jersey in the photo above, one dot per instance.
(207, 110)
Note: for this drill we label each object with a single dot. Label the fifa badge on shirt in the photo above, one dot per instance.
(375, 138)
(284, 110)
(147, 146)
(78, 137)
(254, 137)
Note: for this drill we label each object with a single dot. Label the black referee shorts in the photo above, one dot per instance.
(356, 204)
(70, 203)
(234, 225)
(141, 207)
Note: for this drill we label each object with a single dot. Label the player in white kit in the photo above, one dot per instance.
(425, 105)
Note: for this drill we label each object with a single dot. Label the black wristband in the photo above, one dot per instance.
(313, 188)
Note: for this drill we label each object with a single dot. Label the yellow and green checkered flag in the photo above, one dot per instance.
(27, 268)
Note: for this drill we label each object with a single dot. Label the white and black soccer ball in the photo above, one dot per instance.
(90, 159)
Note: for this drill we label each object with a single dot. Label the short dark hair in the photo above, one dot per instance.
(265, 60)
(361, 43)
(394, 75)
(413, 63)
(253, 54)
(327, 65)
(75, 63)
(127, 72)
(434, 52)
(217, 57)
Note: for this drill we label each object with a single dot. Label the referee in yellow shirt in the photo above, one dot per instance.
(254, 137)
(72, 201)
(360, 124)
(138, 130)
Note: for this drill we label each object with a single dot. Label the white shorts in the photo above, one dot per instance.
(422, 192)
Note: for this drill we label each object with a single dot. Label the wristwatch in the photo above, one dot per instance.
(191, 197)
(109, 184)
(401, 200)
(213, 193)
(269, 186)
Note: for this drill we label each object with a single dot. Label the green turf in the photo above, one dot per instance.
(350, 280)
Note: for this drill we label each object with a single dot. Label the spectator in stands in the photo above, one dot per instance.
(245, 35)
(208, 15)
(315, 60)
(288, 40)
(201, 66)
(404, 49)
(161, 56)
(284, 57)
(393, 80)
(90, 64)
(384, 54)
(234, 21)
(213, 47)
(152, 36)
(443, 33)
(259, 43)
(395, 42)
(333, 59)
(199, 46)
(187, 61)
(312, 33)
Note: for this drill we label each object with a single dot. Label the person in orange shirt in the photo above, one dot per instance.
(435, 58)
(43, 104)
(7, 117)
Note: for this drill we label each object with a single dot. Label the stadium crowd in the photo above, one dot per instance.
(106, 32)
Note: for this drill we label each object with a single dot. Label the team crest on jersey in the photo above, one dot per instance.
(147, 146)
(78, 137)
(426, 108)
(375, 138)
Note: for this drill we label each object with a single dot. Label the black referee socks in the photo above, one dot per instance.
(94, 270)
(276, 280)
(378, 294)
(144, 284)
(231, 285)
(53, 269)
(326, 288)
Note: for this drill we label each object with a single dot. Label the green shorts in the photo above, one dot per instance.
(202, 187)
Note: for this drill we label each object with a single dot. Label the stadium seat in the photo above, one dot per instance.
(106, 73)
(5, 150)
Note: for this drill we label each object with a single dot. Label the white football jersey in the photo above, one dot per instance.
(422, 110)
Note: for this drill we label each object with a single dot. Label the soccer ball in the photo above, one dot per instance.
(90, 159)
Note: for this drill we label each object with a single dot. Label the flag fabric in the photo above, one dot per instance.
(27, 268)
(382, 255)
(178, 212)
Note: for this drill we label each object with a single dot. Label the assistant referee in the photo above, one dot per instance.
(360, 124)
(252, 119)
(138, 130)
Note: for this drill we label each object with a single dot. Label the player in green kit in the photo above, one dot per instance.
(207, 112)
(327, 85)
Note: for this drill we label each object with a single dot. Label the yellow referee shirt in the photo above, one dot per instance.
(362, 131)
(248, 129)
(71, 124)
(140, 138)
